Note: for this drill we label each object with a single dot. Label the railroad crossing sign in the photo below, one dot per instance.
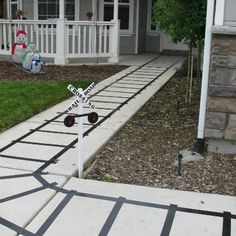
(81, 96)
(69, 121)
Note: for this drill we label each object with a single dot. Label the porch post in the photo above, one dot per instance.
(115, 13)
(94, 10)
(61, 36)
(115, 42)
(60, 58)
(62, 9)
(115, 35)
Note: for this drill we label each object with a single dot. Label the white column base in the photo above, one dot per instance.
(115, 42)
(61, 61)
(113, 60)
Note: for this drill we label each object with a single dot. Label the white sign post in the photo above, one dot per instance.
(80, 141)
(78, 103)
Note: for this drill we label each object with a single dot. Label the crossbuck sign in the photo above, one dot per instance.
(81, 96)
(78, 103)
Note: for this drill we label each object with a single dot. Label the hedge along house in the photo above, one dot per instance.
(77, 29)
(217, 119)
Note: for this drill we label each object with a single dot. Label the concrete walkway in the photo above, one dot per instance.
(38, 159)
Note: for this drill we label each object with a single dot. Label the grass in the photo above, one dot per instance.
(20, 100)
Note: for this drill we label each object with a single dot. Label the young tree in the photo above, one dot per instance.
(184, 21)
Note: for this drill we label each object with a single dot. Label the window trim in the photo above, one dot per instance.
(77, 10)
(129, 31)
(151, 32)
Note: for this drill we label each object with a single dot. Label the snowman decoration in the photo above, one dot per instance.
(36, 62)
(31, 47)
(19, 46)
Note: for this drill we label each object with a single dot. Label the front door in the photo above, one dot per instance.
(3, 9)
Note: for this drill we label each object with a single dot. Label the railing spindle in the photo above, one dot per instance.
(79, 39)
(47, 39)
(73, 39)
(84, 43)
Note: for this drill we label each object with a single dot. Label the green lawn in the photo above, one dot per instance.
(20, 100)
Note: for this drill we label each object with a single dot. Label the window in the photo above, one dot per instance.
(151, 26)
(13, 6)
(50, 9)
(125, 13)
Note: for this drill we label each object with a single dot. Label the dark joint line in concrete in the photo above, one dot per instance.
(16, 228)
(56, 132)
(111, 102)
(112, 216)
(43, 144)
(169, 220)
(23, 194)
(54, 215)
(114, 86)
(23, 158)
(226, 231)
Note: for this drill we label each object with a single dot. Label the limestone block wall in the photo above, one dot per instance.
(221, 105)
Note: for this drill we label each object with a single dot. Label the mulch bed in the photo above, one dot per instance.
(144, 151)
(97, 73)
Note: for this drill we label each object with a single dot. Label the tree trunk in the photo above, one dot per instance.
(188, 74)
(191, 78)
(199, 60)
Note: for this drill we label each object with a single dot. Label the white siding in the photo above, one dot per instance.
(230, 12)
(85, 6)
(28, 9)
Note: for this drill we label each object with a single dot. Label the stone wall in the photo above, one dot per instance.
(221, 105)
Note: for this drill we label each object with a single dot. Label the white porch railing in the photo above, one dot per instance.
(88, 39)
(42, 33)
(63, 40)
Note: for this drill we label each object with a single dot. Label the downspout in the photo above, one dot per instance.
(199, 145)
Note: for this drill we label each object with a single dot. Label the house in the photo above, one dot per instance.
(78, 29)
(217, 118)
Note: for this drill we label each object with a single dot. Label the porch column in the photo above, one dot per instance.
(61, 36)
(94, 10)
(115, 35)
(61, 49)
(115, 13)
(62, 9)
(115, 42)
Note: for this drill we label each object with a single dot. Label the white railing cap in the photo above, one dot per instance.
(89, 23)
(54, 21)
(28, 21)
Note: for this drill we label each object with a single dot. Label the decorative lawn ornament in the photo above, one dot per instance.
(19, 46)
(69, 121)
(33, 62)
(31, 48)
(36, 63)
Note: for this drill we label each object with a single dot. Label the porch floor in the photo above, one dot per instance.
(39, 195)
